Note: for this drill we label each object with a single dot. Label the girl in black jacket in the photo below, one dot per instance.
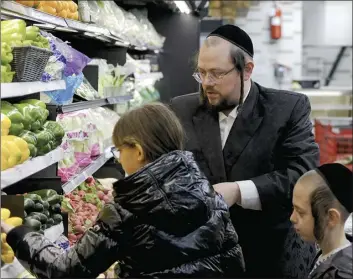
(166, 219)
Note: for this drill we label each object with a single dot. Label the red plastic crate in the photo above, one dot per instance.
(335, 141)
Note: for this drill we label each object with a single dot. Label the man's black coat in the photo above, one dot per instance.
(272, 144)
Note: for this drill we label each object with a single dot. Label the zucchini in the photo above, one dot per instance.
(35, 217)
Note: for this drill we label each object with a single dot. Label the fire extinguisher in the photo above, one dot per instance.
(276, 23)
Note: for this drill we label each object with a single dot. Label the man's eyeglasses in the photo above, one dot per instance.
(212, 77)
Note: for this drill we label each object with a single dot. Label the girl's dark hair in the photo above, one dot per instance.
(154, 126)
(322, 200)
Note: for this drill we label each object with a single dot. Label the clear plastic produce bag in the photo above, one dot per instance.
(65, 96)
(75, 60)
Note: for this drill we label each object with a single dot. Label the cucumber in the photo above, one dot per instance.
(35, 217)
(56, 208)
(45, 205)
(57, 218)
(43, 218)
(38, 207)
(29, 205)
(33, 223)
(46, 213)
(50, 221)
(43, 227)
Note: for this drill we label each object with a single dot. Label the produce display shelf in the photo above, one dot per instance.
(18, 89)
(90, 104)
(32, 166)
(88, 171)
(88, 29)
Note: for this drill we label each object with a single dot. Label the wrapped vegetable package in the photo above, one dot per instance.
(65, 96)
(75, 60)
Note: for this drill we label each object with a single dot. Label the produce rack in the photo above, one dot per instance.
(41, 172)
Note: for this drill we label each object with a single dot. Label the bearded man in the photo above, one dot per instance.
(252, 143)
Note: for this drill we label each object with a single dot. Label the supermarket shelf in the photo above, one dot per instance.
(12, 9)
(18, 89)
(88, 104)
(32, 166)
(88, 171)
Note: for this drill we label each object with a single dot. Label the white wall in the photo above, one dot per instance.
(287, 50)
(327, 23)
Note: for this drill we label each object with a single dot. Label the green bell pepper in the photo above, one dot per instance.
(12, 113)
(16, 129)
(44, 149)
(32, 150)
(43, 138)
(55, 129)
(34, 102)
(29, 137)
(35, 126)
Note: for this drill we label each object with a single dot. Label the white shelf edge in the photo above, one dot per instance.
(18, 89)
(79, 178)
(32, 166)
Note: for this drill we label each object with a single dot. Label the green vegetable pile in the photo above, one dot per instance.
(33, 38)
(6, 59)
(15, 33)
(42, 209)
(29, 122)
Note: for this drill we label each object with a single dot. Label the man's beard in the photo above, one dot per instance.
(224, 103)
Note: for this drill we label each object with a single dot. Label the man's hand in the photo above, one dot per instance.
(230, 192)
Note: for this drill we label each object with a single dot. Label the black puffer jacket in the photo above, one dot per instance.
(166, 221)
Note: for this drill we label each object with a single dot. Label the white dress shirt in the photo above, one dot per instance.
(249, 195)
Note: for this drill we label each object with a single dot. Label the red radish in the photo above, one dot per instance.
(106, 199)
(79, 229)
(106, 191)
(100, 195)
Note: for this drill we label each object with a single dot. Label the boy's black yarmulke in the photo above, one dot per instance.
(339, 180)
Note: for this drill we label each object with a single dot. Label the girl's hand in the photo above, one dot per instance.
(5, 228)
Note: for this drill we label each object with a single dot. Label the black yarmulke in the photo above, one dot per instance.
(339, 179)
(236, 36)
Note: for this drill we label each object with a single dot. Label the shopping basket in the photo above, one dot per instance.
(29, 62)
(334, 137)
